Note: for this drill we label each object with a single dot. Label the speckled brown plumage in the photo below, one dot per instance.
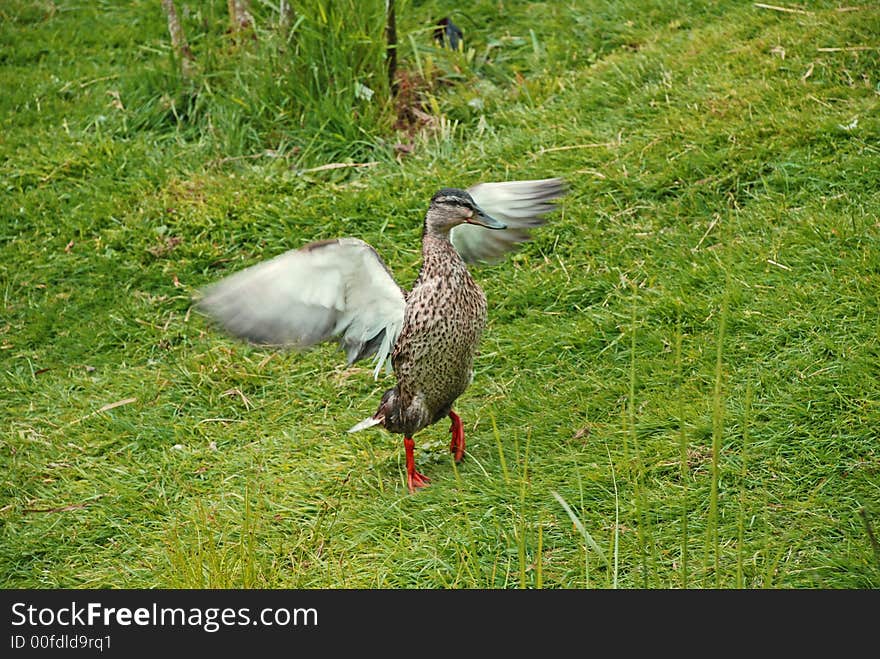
(434, 356)
(444, 319)
(341, 290)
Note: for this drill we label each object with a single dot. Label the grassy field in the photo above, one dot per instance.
(680, 381)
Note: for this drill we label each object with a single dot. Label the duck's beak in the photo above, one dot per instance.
(482, 219)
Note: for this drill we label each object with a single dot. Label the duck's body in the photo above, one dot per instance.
(434, 356)
(342, 289)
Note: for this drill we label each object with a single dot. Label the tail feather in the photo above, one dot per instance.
(369, 422)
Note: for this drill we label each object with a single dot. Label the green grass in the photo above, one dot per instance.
(710, 289)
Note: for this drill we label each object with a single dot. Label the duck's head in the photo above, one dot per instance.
(452, 206)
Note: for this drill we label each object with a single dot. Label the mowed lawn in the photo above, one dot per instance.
(679, 385)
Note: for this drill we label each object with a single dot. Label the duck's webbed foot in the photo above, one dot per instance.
(414, 479)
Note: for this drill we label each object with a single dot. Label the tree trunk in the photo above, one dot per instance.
(178, 40)
(391, 51)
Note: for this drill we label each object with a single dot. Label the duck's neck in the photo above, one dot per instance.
(439, 256)
(434, 230)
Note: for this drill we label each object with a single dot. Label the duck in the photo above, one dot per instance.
(341, 290)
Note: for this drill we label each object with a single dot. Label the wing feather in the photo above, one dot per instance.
(519, 204)
(336, 289)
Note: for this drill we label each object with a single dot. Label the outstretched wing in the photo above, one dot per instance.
(334, 289)
(519, 204)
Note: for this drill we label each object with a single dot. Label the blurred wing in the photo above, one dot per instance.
(335, 289)
(519, 204)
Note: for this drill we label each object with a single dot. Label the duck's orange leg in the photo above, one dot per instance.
(456, 446)
(413, 478)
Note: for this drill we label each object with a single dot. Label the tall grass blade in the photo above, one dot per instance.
(872, 538)
(614, 571)
(740, 532)
(539, 558)
(580, 527)
(712, 540)
(586, 548)
(644, 532)
(683, 457)
(521, 535)
(500, 452)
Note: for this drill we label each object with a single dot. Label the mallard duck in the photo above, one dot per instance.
(341, 290)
